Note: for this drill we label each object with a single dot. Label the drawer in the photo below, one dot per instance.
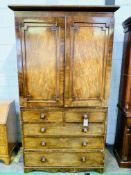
(2, 140)
(43, 116)
(78, 116)
(44, 159)
(64, 143)
(2, 130)
(67, 130)
(3, 150)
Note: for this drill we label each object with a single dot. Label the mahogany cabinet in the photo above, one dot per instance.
(64, 58)
(122, 148)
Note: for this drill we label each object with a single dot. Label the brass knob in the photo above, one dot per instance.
(85, 116)
(83, 159)
(84, 143)
(43, 159)
(84, 130)
(127, 106)
(43, 129)
(42, 115)
(43, 143)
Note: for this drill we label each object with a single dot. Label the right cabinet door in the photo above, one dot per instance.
(88, 61)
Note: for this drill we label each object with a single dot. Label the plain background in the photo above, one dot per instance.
(8, 64)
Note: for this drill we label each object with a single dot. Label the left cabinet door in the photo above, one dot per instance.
(40, 54)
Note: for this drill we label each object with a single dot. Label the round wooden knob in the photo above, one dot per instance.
(43, 143)
(127, 106)
(84, 143)
(84, 130)
(43, 129)
(42, 115)
(43, 159)
(83, 159)
(85, 116)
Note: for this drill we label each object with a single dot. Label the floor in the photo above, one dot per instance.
(111, 165)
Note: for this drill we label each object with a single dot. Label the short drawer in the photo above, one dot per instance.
(42, 116)
(78, 115)
(85, 159)
(66, 130)
(3, 150)
(2, 130)
(64, 143)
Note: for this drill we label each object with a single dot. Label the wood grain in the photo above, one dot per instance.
(43, 35)
(3, 140)
(122, 147)
(3, 150)
(35, 116)
(8, 135)
(87, 78)
(66, 130)
(64, 143)
(77, 116)
(107, 8)
(65, 159)
(2, 129)
(64, 66)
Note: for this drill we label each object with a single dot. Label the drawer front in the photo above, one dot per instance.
(78, 116)
(43, 116)
(64, 143)
(2, 130)
(2, 140)
(90, 159)
(67, 130)
(3, 150)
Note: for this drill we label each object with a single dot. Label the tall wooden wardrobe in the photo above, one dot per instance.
(64, 62)
(122, 148)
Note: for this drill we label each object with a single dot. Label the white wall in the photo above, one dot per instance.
(123, 13)
(8, 65)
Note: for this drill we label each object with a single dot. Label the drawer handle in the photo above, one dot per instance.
(83, 159)
(43, 143)
(84, 143)
(42, 115)
(85, 116)
(43, 129)
(43, 159)
(84, 130)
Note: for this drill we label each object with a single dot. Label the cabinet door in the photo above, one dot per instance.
(88, 61)
(125, 84)
(41, 64)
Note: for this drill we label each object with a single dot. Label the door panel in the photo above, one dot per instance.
(42, 48)
(85, 63)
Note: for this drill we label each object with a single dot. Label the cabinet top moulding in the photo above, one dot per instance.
(84, 8)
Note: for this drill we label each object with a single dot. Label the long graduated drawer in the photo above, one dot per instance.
(68, 129)
(64, 143)
(75, 159)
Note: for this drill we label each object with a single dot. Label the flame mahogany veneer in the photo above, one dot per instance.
(122, 148)
(64, 56)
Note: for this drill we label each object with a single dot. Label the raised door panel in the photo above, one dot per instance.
(87, 65)
(42, 62)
